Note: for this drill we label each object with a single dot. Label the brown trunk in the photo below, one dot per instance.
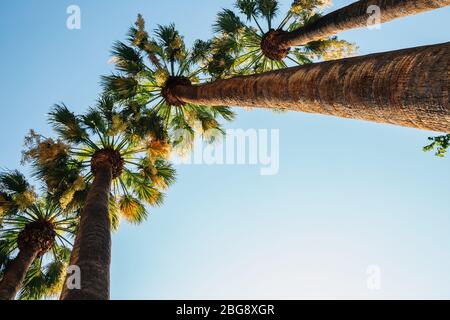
(16, 271)
(406, 87)
(92, 247)
(356, 16)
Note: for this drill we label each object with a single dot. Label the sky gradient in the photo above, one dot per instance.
(348, 195)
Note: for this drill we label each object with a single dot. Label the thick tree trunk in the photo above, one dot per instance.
(406, 87)
(92, 247)
(15, 273)
(355, 16)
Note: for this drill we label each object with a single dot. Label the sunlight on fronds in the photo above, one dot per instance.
(132, 209)
(68, 195)
(25, 199)
(118, 126)
(329, 49)
(159, 149)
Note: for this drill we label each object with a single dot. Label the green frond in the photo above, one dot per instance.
(148, 124)
(227, 22)
(226, 113)
(172, 43)
(329, 49)
(160, 172)
(67, 124)
(440, 144)
(220, 65)
(94, 120)
(248, 7)
(132, 209)
(15, 192)
(121, 87)
(14, 182)
(127, 59)
(114, 213)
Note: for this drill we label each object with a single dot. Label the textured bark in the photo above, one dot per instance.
(92, 247)
(405, 87)
(355, 16)
(16, 271)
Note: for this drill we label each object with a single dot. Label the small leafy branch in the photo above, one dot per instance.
(440, 144)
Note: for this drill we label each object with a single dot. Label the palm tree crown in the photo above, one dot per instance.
(136, 150)
(252, 43)
(148, 70)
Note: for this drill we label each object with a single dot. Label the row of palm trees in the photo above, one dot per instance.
(112, 162)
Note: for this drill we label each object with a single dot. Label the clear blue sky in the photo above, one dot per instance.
(349, 194)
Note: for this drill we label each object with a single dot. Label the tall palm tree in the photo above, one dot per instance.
(36, 233)
(147, 70)
(122, 163)
(355, 15)
(406, 87)
(251, 43)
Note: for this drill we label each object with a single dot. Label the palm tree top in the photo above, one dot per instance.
(134, 146)
(148, 67)
(253, 31)
(42, 225)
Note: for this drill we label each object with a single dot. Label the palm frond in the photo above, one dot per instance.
(227, 22)
(248, 7)
(132, 209)
(67, 124)
(127, 59)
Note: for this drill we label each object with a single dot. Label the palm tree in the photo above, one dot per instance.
(355, 15)
(405, 87)
(35, 233)
(122, 163)
(251, 43)
(147, 70)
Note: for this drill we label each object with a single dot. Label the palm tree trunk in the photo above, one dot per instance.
(92, 247)
(405, 87)
(354, 16)
(16, 271)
